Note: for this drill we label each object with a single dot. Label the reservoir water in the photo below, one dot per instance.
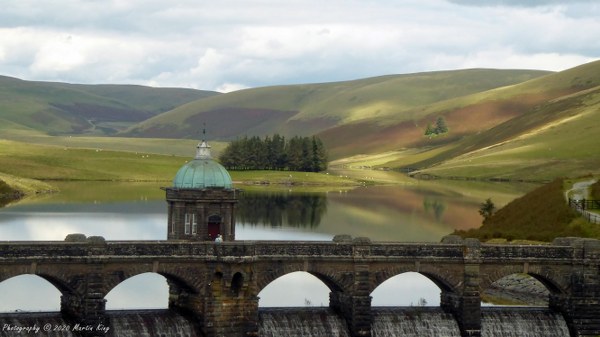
(423, 212)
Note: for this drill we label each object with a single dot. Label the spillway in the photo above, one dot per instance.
(299, 322)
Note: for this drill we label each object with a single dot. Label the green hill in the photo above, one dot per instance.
(311, 108)
(502, 124)
(539, 215)
(62, 108)
(555, 137)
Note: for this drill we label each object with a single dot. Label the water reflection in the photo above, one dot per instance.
(279, 209)
(434, 206)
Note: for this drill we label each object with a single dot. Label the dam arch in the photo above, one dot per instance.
(424, 291)
(141, 291)
(313, 291)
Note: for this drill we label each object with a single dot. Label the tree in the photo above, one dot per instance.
(294, 154)
(319, 156)
(440, 125)
(429, 130)
(487, 209)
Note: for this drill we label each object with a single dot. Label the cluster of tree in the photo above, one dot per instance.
(487, 209)
(305, 154)
(439, 128)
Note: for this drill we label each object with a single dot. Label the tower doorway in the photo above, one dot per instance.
(214, 226)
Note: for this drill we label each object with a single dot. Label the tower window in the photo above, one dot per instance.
(188, 219)
(194, 224)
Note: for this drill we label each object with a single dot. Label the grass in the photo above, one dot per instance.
(12, 187)
(176, 147)
(24, 165)
(43, 162)
(290, 178)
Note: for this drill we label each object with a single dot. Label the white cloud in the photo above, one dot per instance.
(229, 87)
(234, 44)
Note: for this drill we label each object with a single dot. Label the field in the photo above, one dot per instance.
(25, 165)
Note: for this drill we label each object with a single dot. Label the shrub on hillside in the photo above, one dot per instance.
(540, 215)
(7, 193)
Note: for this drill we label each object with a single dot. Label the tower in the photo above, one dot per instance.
(201, 202)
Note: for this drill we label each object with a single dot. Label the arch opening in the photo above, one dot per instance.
(407, 289)
(296, 289)
(518, 289)
(29, 293)
(142, 291)
(236, 284)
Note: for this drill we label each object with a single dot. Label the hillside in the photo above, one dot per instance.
(62, 108)
(502, 124)
(539, 215)
(556, 137)
(312, 108)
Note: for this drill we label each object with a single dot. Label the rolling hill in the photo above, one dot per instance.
(507, 124)
(555, 137)
(62, 108)
(312, 108)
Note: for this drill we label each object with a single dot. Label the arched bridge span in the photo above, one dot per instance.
(218, 283)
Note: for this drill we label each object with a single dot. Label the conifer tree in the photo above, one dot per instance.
(440, 125)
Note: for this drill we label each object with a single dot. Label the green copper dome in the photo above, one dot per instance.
(202, 172)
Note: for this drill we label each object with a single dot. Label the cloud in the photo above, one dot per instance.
(233, 44)
(517, 3)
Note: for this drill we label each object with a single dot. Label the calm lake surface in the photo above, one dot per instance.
(419, 212)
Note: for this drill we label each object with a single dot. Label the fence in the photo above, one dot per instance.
(582, 206)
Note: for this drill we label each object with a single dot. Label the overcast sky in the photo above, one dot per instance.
(232, 44)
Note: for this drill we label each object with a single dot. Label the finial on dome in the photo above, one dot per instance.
(203, 149)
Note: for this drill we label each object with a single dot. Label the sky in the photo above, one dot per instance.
(228, 45)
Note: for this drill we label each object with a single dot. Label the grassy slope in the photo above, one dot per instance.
(51, 162)
(557, 137)
(542, 128)
(309, 108)
(540, 215)
(42, 162)
(465, 115)
(67, 108)
(25, 186)
(144, 98)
